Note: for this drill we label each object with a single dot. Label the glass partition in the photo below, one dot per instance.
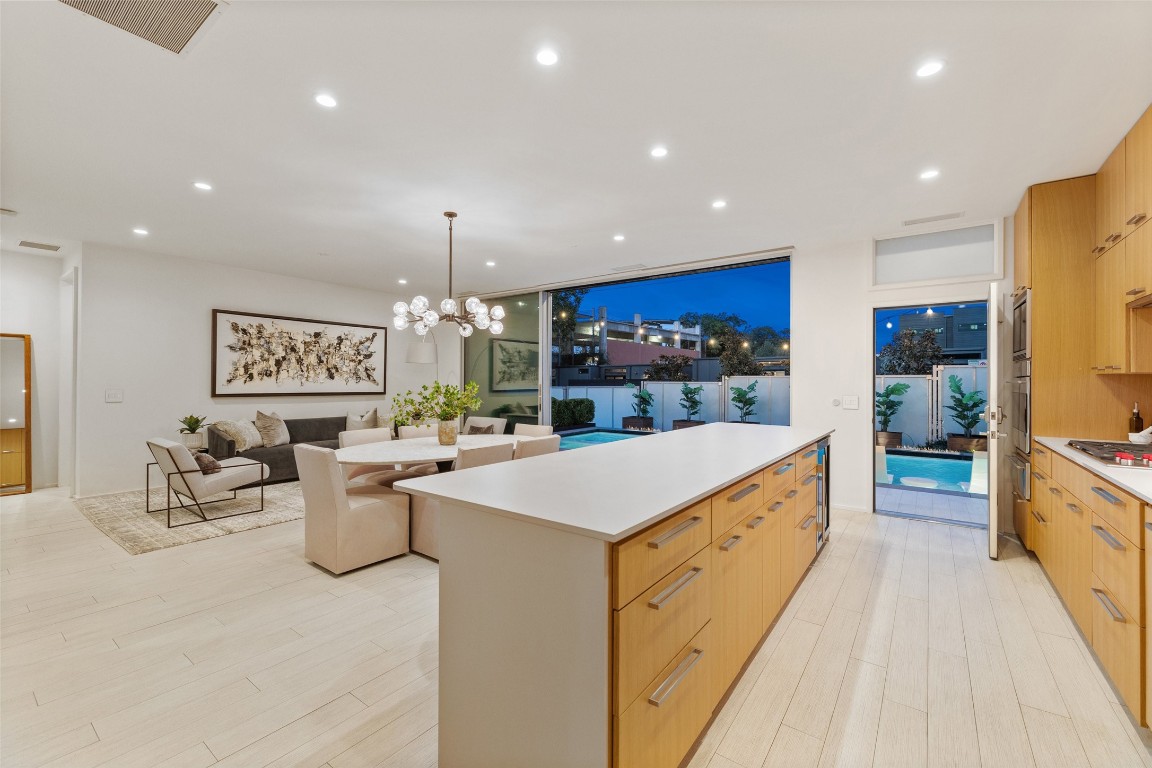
(507, 367)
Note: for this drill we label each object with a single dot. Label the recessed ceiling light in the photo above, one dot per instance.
(489, 263)
(931, 173)
(547, 57)
(659, 151)
(617, 238)
(929, 68)
(326, 100)
(140, 231)
(402, 281)
(202, 185)
(719, 203)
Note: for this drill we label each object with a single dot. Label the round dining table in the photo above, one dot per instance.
(417, 450)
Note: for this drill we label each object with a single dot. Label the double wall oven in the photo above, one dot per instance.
(1020, 416)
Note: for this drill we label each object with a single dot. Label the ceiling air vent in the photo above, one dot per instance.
(930, 219)
(629, 268)
(39, 246)
(169, 24)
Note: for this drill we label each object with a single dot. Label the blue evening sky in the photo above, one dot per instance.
(758, 294)
(884, 334)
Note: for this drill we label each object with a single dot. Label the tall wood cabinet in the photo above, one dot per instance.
(13, 460)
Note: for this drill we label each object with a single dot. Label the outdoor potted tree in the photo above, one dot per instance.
(190, 433)
(745, 401)
(886, 407)
(691, 403)
(642, 401)
(967, 411)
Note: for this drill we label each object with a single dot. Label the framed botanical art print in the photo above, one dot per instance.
(270, 355)
(515, 365)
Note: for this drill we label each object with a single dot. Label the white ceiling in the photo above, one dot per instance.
(806, 117)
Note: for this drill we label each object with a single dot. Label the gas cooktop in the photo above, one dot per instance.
(1137, 455)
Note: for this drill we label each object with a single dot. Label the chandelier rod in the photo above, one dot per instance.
(450, 216)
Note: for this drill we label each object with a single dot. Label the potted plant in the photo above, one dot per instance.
(691, 403)
(448, 402)
(642, 401)
(744, 401)
(190, 432)
(412, 407)
(886, 407)
(967, 411)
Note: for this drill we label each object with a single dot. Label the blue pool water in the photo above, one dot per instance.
(948, 473)
(585, 439)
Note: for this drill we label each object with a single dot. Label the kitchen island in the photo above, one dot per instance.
(596, 604)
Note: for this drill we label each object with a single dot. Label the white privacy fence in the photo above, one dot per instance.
(924, 417)
(773, 405)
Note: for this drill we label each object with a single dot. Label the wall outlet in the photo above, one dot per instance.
(851, 402)
(113, 395)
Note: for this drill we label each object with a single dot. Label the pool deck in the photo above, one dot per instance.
(954, 507)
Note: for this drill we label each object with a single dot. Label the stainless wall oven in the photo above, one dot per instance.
(1021, 330)
(1020, 415)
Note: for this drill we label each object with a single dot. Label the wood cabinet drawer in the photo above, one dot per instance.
(661, 725)
(738, 593)
(1119, 509)
(1042, 458)
(780, 476)
(1117, 563)
(1118, 642)
(806, 492)
(736, 502)
(649, 631)
(647, 557)
(778, 521)
(806, 459)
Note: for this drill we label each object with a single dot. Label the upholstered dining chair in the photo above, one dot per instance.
(532, 430)
(478, 425)
(536, 446)
(382, 473)
(346, 528)
(186, 479)
(425, 536)
(409, 431)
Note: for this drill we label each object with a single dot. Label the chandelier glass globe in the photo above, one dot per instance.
(465, 330)
(496, 327)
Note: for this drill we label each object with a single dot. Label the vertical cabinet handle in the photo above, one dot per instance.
(743, 492)
(1109, 539)
(807, 522)
(1108, 497)
(674, 588)
(1039, 519)
(731, 543)
(667, 538)
(1104, 600)
(682, 669)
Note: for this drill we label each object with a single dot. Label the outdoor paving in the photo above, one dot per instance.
(940, 506)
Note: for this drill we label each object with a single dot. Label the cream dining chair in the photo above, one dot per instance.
(532, 430)
(536, 446)
(477, 425)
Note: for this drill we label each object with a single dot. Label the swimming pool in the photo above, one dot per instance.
(594, 437)
(947, 473)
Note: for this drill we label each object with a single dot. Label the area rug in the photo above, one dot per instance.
(122, 518)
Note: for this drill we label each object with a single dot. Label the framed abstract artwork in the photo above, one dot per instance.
(515, 365)
(270, 355)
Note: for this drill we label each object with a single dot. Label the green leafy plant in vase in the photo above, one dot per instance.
(190, 432)
(642, 402)
(448, 403)
(886, 407)
(967, 411)
(744, 400)
(691, 402)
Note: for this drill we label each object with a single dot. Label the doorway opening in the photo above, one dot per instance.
(931, 392)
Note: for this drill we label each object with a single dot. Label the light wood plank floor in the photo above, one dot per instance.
(903, 646)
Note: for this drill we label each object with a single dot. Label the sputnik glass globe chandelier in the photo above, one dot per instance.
(420, 315)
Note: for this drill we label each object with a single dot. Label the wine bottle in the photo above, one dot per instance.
(1136, 423)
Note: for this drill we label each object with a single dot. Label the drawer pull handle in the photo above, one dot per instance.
(685, 579)
(1109, 539)
(1074, 508)
(809, 454)
(1039, 519)
(810, 479)
(1038, 476)
(1136, 291)
(1112, 237)
(662, 541)
(744, 492)
(1108, 497)
(1113, 611)
(783, 469)
(1137, 218)
(1054, 490)
(776, 507)
(729, 545)
(756, 522)
(1148, 526)
(1040, 451)
(791, 494)
(674, 679)
(807, 522)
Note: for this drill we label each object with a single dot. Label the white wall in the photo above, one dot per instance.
(832, 354)
(145, 328)
(29, 303)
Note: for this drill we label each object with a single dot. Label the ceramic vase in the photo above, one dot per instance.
(446, 431)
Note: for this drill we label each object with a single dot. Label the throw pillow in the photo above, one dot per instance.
(367, 420)
(488, 430)
(207, 464)
(273, 430)
(243, 433)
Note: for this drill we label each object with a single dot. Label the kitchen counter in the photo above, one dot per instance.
(1136, 481)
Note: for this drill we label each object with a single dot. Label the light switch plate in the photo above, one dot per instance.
(851, 402)
(113, 395)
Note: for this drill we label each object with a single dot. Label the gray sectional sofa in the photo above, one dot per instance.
(324, 432)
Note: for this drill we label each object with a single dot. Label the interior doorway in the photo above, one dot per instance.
(932, 379)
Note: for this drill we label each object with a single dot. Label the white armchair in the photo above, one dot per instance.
(346, 528)
(187, 480)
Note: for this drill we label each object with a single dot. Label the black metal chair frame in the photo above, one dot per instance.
(199, 509)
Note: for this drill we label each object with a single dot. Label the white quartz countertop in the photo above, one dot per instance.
(613, 490)
(1136, 481)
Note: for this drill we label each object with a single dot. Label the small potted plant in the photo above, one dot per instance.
(967, 411)
(744, 401)
(412, 407)
(642, 401)
(190, 433)
(691, 403)
(886, 407)
(448, 403)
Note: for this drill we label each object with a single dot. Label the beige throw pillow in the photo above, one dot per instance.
(243, 433)
(273, 430)
(362, 421)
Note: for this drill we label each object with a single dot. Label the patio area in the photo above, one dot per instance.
(962, 509)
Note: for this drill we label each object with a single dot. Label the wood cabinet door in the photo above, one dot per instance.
(1138, 265)
(1078, 551)
(776, 512)
(1041, 533)
(1138, 174)
(1022, 244)
(738, 594)
(1111, 312)
(1110, 199)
